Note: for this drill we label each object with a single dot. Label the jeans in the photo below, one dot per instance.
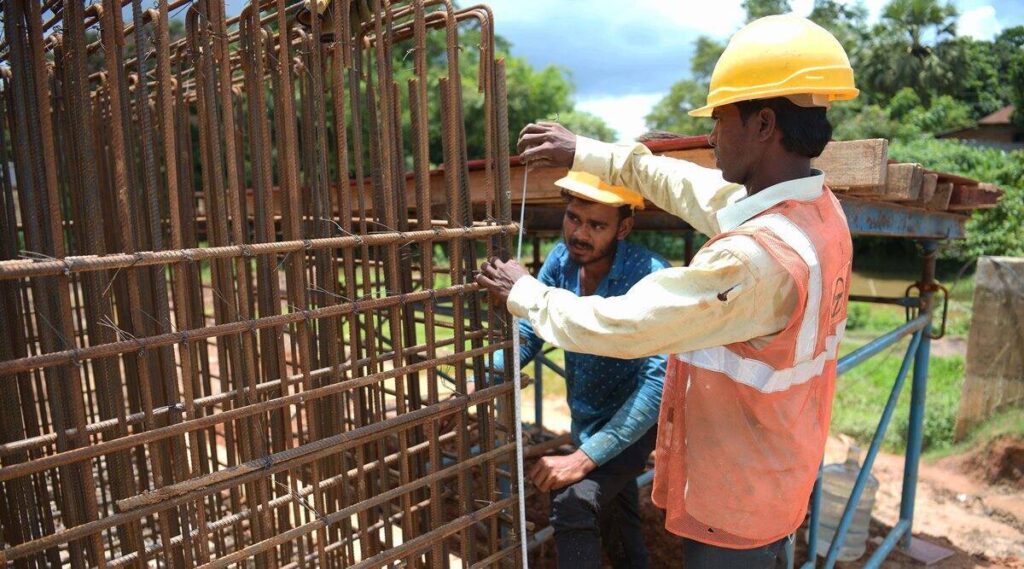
(697, 555)
(603, 510)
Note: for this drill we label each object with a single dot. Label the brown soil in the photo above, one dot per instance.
(1001, 461)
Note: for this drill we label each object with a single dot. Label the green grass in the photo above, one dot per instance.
(862, 392)
(1006, 422)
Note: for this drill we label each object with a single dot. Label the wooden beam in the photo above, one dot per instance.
(928, 183)
(981, 196)
(855, 165)
(940, 199)
(903, 182)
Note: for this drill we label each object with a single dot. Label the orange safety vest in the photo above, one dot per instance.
(742, 429)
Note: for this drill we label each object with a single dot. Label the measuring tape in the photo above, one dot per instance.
(518, 382)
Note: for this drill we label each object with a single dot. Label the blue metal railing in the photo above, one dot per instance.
(918, 351)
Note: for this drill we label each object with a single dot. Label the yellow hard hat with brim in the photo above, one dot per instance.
(590, 187)
(780, 56)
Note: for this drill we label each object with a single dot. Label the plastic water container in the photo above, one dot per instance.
(836, 487)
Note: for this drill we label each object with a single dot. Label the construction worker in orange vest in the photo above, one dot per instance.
(754, 322)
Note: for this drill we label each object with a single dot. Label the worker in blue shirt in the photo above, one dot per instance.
(614, 403)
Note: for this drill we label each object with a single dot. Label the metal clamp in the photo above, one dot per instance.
(912, 312)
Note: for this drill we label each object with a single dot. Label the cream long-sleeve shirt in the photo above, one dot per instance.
(732, 291)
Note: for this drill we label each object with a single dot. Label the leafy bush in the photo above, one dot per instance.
(997, 231)
(862, 392)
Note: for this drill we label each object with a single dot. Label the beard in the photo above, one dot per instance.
(583, 253)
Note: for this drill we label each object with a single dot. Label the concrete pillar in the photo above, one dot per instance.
(994, 374)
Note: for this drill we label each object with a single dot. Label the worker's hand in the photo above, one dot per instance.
(554, 472)
(499, 276)
(546, 144)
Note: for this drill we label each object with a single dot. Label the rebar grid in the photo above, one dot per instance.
(233, 337)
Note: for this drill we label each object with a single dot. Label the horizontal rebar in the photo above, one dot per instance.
(74, 455)
(79, 264)
(77, 355)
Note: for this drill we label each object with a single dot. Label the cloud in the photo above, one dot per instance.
(612, 49)
(623, 113)
(980, 23)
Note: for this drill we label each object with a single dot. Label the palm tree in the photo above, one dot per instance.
(906, 45)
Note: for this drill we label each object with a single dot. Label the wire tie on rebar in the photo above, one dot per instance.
(68, 263)
(184, 337)
(437, 232)
(188, 255)
(76, 359)
(307, 244)
(247, 250)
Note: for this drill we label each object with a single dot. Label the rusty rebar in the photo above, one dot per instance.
(221, 266)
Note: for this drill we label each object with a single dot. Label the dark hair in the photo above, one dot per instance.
(805, 130)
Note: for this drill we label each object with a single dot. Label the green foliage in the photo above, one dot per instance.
(862, 392)
(760, 8)
(945, 114)
(705, 56)
(533, 94)
(847, 22)
(997, 231)
(670, 113)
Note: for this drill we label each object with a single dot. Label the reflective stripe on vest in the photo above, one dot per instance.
(756, 373)
(760, 375)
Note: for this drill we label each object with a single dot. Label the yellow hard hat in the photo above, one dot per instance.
(591, 188)
(779, 56)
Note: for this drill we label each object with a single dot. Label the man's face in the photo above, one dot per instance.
(591, 229)
(735, 143)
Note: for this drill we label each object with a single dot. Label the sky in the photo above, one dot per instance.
(624, 56)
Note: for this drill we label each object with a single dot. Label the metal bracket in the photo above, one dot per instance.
(933, 287)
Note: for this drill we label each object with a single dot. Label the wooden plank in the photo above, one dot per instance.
(940, 199)
(928, 184)
(966, 197)
(855, 165)
(903, 182)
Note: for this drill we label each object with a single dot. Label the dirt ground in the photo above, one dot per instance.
(972, 504)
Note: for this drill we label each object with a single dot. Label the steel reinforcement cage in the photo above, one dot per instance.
(218, 302)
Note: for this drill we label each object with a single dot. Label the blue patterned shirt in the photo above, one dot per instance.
(613, 402)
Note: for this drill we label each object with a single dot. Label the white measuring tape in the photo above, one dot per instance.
(518, 384)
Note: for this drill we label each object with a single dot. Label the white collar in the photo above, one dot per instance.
(801, 189)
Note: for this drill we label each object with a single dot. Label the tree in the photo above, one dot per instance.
(761, 8)
(996, 231)
(847, 22)
(670, 113)
(1010, 47)
(911, 47)
(706, 52)
(533, 94)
